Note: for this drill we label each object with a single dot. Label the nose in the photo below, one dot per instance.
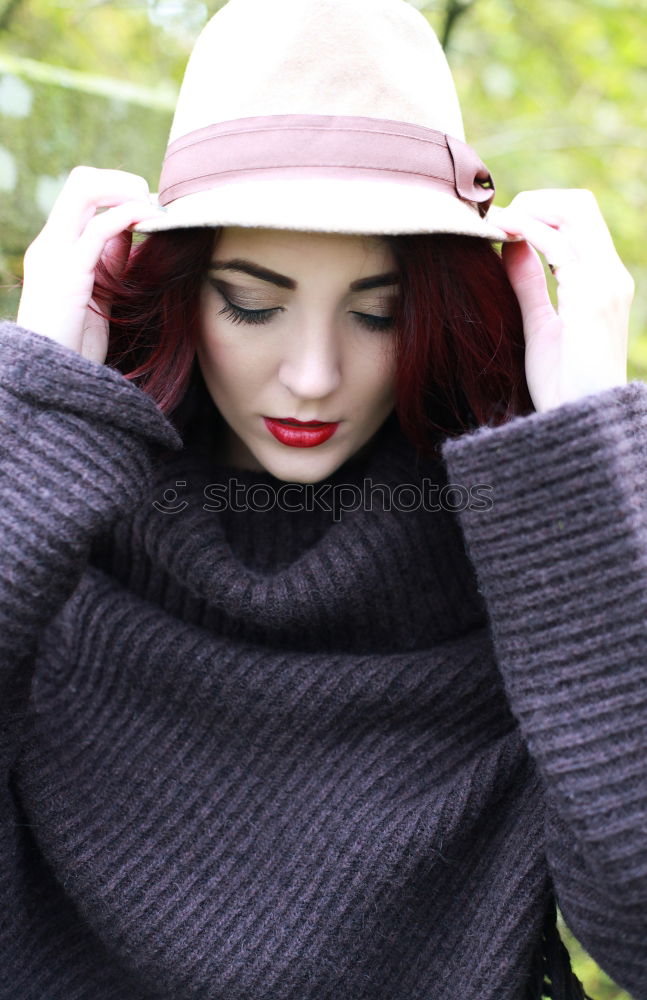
(311, 365)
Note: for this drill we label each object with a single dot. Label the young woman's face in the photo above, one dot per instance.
(307, 337)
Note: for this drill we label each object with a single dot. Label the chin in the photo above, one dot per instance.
(301, 467)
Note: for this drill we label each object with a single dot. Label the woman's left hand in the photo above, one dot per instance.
(581, 347)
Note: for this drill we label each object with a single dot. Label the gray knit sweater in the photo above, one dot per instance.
(343, 754)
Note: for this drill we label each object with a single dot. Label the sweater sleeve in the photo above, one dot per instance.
(77, 447)
(561, 561)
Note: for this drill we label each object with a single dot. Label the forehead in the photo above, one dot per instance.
(285, 244)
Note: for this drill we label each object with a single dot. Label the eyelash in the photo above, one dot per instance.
(254, 317)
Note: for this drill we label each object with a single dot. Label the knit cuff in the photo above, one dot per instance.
(561, 561)
(39, 370)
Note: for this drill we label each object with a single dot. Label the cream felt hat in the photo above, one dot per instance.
(321, 115)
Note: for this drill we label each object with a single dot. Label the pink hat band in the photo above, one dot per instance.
(342, 146)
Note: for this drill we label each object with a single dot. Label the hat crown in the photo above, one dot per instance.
(324, 116)
(373, 58)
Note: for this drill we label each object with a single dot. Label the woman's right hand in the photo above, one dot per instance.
(59, 266)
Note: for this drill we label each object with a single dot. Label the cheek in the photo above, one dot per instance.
(375, 372)
(231, 365)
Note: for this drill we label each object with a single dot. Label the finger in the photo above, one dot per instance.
(575, 212)
(556, 246)
(85, 190)
(526, 275)
(104, 228)
(560, 203)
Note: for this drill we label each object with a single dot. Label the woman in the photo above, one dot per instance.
(299, 705)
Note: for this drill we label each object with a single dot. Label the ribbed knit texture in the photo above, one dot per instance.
(314, 755)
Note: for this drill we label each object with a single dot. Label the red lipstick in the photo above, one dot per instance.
(300, 433)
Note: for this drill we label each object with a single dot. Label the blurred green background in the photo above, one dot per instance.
(553, 95)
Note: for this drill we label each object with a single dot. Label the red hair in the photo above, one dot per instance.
(458, 328)
(155, 311)
(460, 342)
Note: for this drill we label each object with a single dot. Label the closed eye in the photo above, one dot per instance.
(251, 316)
(374, 322)
(255, 317)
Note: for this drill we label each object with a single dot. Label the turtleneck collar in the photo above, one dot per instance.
(388, 574)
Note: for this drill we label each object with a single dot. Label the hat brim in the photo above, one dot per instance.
(332, 205)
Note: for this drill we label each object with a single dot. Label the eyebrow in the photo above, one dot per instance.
(256, 271)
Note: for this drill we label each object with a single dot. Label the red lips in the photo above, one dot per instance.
(301, 423)
(300, 433)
